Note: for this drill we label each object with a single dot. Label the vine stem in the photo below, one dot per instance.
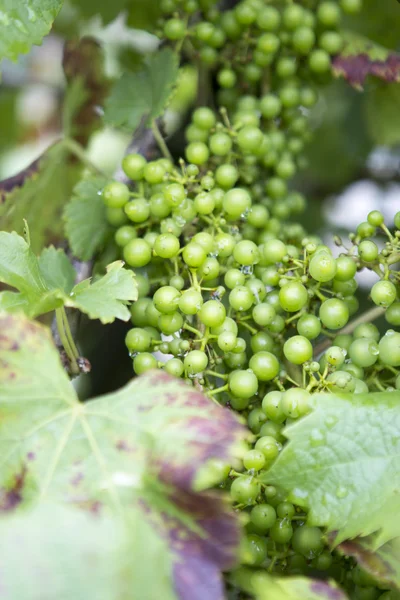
(367, 317)
(77, 150)
(160, 140)
(66, 337)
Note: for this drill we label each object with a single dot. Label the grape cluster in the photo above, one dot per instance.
(234, 296)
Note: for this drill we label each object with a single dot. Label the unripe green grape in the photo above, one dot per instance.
(276, 188)
(143, 285)
(125, 234)
(204, 203)
(293, 296)
(246, 253)
(159, 207)
(220, 144)
(226, 341)
(244, 490)
(236, 202)
(319, 61)
(351, 7)
(389, 349)
(274, 251)
(133, 166)
(298, 349)
(270, 106)
(328, 13)
(212, 313)
(268, 18)
(331, 42)
(367, 330)
(269, 446)
(343, 340)
(268, 43)
(293, 16)
(263, 314)
(335, 356)
(194, 255)
(392, 314)
(258, 216)
(190, 302)
(308, 541)
(228, 325)
(226, 78)
(154, 172)
(234, 278)
(245, 14)
(174, 367)
(264, 365)
(174, 194)
(285, 510)
(144, 362)
(249, 138)
(193, 133)
(116, 217)
(171, 323)
(263, 517)
(282, 531)
(166, 245)
(368, 251)
(209, 270)
(271, 406)
(138, 340)
(308, 97)
(243, 384)
(346, 268)
(254, 459)
(342, 381)
(166, 299)
(197, 153)
(137, 210)
(137, 253)
(195, 362)
(322, 267)
(115, 195)
(241, 298)
(361, 387)
(204, 31)
(174, 29)
(334, 313)
(309, 326)
(295, 402)
(383, 293)
(286, 66)
(204, 118)
(303, 40)
(138, 312)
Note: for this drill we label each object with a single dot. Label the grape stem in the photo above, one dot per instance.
(366, 317)
(160, 140)
(67, 341)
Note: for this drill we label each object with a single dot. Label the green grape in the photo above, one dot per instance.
(392, 314)
(166, 245)
(116, 216)
(209, 270)
(335, 356)
(137, 253)
(264, 365)
(234, 278)
(226, 78)
(334, 313)
(253, 549)
(246, 253)
(166, 299)
(244, 490)
(319, 61)
(322, 267)
(194, 255)
(159, 207)
(236, 202)
(243, 384)
(268, 18)
(144, 362)
(190, 302)
(263, 314)
(133, 166)
(293, 16)
(171, 323)
(389, 349)
(281, 531)
(274, 251)
(303, 40)
(125, 234)
(204, 118)
(228, 325)
(285, 509)
(195, 362)
(272, 429)
(224, 244)
(154, 172)
(293, 296)
(270, 106)
(271, 406)
(197, 153)
(351, 7)
(295, 402)
(383, 293)
(174, 194)
(255, 420)
(220, 144)
(322, 562)
(138, 340)
(261, 341)
(116, 194)
(177, 282)
(331, 42)
(226, 176)
(308, 541)
(342, 381)
(268, 43)
(309, 326)
(174, 367)
(368, 251)
(212, 313)
(328, 13)
(174, 29)
(298, 349)
(346, 268)
(269, 446)
(367, 330)
(241, 298)
(249, 138)
(254, 459)
(263, 517)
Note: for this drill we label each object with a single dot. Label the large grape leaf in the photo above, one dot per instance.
(137, 449)
(46, 284)
(343, 463)
(143, 94)
(361, 57)
(25, 23)
(85, 218)
(81, 556)
(267, 587)
(38, 194)
(382, 563)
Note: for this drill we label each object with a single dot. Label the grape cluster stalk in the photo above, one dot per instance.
(235, 296)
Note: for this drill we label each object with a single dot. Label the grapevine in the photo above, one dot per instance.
(235, 297)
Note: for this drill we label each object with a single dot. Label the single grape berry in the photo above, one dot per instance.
(116, 194)
(293, 296)
(298, 349)
(383, 293)
(137, 253)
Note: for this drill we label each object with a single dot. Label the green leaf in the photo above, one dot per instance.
(138, 449)
(81, 556)
(24, 24)
(105, 298)
(56, 269)
(343, 463)
(142, 95)
(362, 57)
(143, 14)
(47, 283)
(268, 587)
(83, 64)
(382, 110)
(38, 194)
(106, 9)
(383, 563)
(86, 224)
